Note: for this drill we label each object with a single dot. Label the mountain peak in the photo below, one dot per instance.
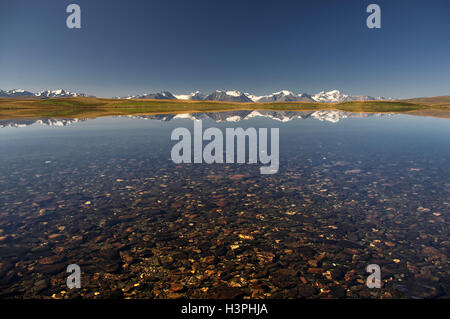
(59, 93)
(333, 96)
(228, 96)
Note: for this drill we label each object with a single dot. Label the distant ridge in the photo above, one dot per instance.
(334, 96)
(228, 96)
(42, 94)
(16, 93)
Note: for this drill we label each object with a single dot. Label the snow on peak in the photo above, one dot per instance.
(330, 116)
(58, 93)
(190, 96)
(332, 96)
(182, 96)
(233, 93)
(284, 92)
(334, 92)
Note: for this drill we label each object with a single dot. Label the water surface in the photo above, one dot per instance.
(352, 190)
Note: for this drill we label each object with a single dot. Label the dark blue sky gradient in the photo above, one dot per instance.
(129, 47)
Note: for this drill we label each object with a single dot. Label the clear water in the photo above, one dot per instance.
(352, 190)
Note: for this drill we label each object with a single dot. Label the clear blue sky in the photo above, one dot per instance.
(129, 47)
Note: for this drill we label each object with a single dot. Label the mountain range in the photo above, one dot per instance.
(334, 96)
(41, 94)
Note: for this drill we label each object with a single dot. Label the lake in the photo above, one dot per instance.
(351, 190)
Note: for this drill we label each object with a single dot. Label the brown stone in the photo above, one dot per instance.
(238, 177)
(127, 258)
(226, 293)
(176, 287)
(285, 278)
(174, 295)
(315, 270)
(50, 260)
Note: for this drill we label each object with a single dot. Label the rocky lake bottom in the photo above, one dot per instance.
(105, 195)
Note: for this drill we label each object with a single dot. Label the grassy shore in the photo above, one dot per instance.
(96, 107)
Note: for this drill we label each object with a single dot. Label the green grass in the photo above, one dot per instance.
(94, 107)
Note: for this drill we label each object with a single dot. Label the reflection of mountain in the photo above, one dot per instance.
(232, 116)
(236, 116)
(43, 122)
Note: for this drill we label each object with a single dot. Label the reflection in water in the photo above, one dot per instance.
(234, 116)
(43, 122)
(105, 195)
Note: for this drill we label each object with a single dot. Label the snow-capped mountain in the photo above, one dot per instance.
(16, 93)
(59, 93)
(197, 95)
(283, 96)
(42, 94)
(164, 95)
(228, 96)
(158, 96)
(336, 96)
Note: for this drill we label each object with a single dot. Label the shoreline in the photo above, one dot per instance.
(86, 107)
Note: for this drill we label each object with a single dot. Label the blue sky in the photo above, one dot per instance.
(129, 47)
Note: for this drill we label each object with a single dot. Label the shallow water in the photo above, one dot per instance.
(352, 190)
